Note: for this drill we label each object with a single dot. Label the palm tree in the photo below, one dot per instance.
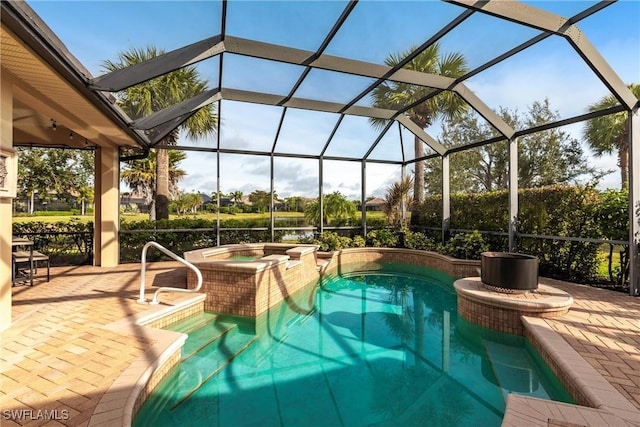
(608, 134)
(396, 200)
(159, 93)
(294, 203)
(394, 95)
(236, 197)
(336, 206)
(140, 176)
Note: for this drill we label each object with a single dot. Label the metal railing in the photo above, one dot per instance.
(167, 252)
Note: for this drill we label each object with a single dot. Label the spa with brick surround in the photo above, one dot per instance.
(248, 279)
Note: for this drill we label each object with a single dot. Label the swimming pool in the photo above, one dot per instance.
(382, 347)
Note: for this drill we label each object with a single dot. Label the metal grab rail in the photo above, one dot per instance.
(143, 269)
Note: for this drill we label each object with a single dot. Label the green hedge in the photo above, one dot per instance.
(65, 242)
(555, 211)
(188, 234)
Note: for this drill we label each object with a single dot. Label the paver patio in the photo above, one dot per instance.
(58, 358)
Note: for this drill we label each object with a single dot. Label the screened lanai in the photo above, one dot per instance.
(293, 85)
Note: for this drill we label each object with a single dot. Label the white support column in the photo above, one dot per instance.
(218, 198)
(6, 142)
(321, 195)
(403, 206)
(634, 202)
(218, 167)
(363, 198)
(107, 212)
(271, 201)
(513, 194)
(446, 199)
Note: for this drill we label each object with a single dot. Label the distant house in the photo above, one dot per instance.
(205, 198)
(53, 202)
(376, 204)
(127, 199)
(278, 205)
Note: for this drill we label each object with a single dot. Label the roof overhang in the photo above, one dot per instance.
(50, 85)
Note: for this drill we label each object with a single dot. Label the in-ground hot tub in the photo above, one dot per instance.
(248, 279)
(509, 272)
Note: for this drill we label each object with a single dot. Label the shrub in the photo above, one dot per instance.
(466, 246)
(417, 240)
(383, 237)
(330, 241)
(377, 221)
(358, 242)
(66, 242)
(553, 210)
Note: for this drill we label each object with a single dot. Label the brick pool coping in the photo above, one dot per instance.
(599, 399)
(122, 401)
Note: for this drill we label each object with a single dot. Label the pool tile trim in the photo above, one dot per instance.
(125, 397)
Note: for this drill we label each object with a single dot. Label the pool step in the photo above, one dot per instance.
(204, 337)
(200, 367)
(203, 329)
(211, 346)
(192, 323)
(160, 397)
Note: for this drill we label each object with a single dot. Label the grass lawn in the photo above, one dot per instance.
(603, 260)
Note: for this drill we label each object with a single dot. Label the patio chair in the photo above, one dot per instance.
(23, 257)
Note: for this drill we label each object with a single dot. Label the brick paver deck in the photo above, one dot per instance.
(56, 357)
(57, 360)
(603, 326)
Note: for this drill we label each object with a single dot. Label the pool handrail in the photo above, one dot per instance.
(167, 252)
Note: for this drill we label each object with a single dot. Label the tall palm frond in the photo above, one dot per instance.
(398, 198)
(610, 134)
(397, 95)
(157, 94)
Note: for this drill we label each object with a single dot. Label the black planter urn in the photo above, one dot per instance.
(509, 272)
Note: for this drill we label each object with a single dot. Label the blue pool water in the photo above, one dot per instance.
(379, 348)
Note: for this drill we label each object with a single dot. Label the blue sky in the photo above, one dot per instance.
(97, 30)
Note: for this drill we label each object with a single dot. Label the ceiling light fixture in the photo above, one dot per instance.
(54, 126)
(71, 135)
